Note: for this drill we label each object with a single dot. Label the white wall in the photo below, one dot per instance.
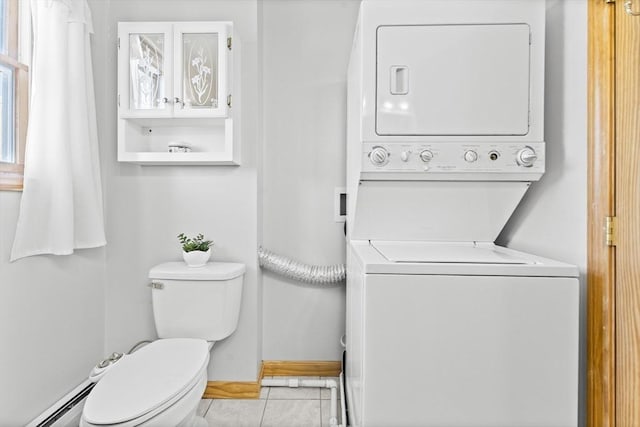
(51, 322)
(551, 220)
(306, 46)
(52, 327)
(147, 206)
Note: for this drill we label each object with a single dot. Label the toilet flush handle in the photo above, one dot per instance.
(156, 285)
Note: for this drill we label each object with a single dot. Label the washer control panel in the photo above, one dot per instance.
(453, 157)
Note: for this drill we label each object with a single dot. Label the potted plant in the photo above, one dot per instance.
(196, 251)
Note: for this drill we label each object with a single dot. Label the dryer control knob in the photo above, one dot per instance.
(470, 156)
(526, 157)
(426, 156)
(379, 156)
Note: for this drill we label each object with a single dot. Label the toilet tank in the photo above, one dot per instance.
(196, 302)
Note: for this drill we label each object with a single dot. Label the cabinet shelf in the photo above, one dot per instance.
(146, 141)
(184, 159)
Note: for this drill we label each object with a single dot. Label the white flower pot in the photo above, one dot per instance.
(196, 258)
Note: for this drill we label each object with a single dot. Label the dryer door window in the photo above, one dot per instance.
(453, 80)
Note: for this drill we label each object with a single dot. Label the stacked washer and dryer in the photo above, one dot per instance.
(445, 136)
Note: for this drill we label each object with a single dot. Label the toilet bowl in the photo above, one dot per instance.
(159, 385)
(162, 383)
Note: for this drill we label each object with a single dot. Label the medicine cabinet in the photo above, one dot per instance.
(175, 93)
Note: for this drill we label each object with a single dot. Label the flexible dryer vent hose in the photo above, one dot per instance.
(298, 271)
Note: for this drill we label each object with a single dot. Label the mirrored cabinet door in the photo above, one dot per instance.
(200, 70)
(145, 69)
(147, 87)
(201, 77)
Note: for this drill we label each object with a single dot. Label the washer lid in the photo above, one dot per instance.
(178, 270)
(448, 253)
(452, 259)
(146, 380)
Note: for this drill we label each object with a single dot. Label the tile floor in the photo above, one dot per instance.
(277, 407)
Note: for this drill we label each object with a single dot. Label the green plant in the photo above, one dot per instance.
(194, 244)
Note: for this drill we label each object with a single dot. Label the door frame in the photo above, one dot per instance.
(601, 356)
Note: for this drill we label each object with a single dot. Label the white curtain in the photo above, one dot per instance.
(61, 207)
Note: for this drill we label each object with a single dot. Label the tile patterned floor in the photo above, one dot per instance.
(277, 407)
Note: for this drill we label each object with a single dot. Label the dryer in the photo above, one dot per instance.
(445, 134)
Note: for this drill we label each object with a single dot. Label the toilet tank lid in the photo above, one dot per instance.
(178, 270)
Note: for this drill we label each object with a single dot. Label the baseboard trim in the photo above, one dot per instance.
(232, 390)
(302, 368)
(271, 368)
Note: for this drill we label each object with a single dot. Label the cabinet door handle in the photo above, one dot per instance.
(165, 100)
(177, 101)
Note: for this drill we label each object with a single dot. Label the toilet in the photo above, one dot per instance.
(161, 384)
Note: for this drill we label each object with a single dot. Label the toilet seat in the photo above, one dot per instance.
(147, 382)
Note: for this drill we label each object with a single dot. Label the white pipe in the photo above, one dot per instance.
(297, 382)
(334, 407)
(342, 402)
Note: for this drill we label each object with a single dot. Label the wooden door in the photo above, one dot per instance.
(613, 397)
(627, 187)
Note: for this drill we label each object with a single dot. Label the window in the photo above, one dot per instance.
(14, 84)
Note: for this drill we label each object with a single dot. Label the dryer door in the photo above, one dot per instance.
(453, 80)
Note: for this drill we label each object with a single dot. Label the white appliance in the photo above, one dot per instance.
(460, 335)
(445, 135)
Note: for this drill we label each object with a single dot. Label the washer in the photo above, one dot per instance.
(445, 134)
(460, 334)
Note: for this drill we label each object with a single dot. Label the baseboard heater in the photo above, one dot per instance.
(67, 411)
